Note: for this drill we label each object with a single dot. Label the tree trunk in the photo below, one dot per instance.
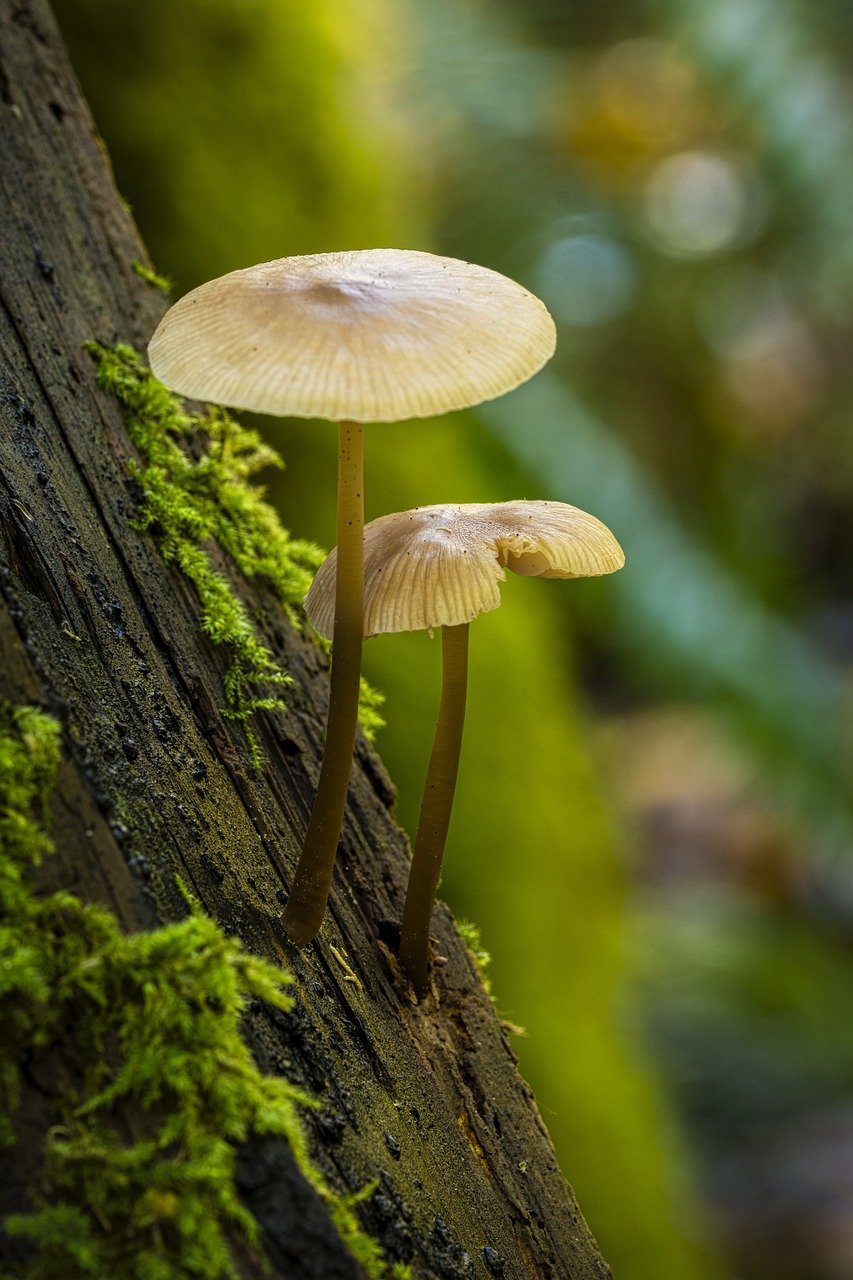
(94, 627)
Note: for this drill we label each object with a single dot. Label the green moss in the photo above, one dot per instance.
(29, 750)
(151, 277)
(139, 1167)
(482, 958)
(191, 500)
(369, 714)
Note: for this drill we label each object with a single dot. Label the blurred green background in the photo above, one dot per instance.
(654, 811)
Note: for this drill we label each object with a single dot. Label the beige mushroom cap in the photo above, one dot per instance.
(372, 335)
(440, 566)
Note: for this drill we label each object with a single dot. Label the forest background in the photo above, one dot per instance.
(654, 821)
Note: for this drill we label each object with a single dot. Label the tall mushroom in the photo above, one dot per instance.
(374, 335)
(440, 567)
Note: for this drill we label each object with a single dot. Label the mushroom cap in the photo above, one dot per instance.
(440, 566)
(372, 335)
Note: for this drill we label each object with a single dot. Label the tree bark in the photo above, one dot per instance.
(95, 628)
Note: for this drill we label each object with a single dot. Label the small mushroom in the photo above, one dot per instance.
(374, 335)
(440, 567)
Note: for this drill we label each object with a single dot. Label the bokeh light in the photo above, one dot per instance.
(586, 279)
(696, 204)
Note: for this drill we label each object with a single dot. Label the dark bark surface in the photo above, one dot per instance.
(95, 628)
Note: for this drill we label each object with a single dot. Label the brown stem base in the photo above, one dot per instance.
(436, 807)
(313, 878)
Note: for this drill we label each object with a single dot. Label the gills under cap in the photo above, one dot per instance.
(371, 335)
(440, 566)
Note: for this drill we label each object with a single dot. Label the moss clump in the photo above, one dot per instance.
(139, 1168)
(151, 277)
(482, 958)
(190, 501)
(29, 751)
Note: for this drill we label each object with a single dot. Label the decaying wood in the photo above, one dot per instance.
(95, 628)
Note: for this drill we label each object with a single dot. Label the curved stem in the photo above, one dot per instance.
(435, 807)
(313, 878)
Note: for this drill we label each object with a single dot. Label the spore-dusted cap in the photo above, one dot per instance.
(372, 335)
(441, 566)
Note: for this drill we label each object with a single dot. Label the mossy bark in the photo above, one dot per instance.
(95, 628)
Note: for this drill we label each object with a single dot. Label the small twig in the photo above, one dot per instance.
(349, 975)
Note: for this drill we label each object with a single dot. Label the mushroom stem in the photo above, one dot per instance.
(435, 807)
(313, 877)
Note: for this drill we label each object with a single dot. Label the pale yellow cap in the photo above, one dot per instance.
(440, 566)
(373, 335)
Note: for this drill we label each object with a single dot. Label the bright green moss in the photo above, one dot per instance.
(139, 1169)
(29, 750)
(190, 501)
(369, 714)
(151, 277)
(470, 933)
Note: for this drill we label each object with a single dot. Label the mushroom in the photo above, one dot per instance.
(374, 335)
(440, 567)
